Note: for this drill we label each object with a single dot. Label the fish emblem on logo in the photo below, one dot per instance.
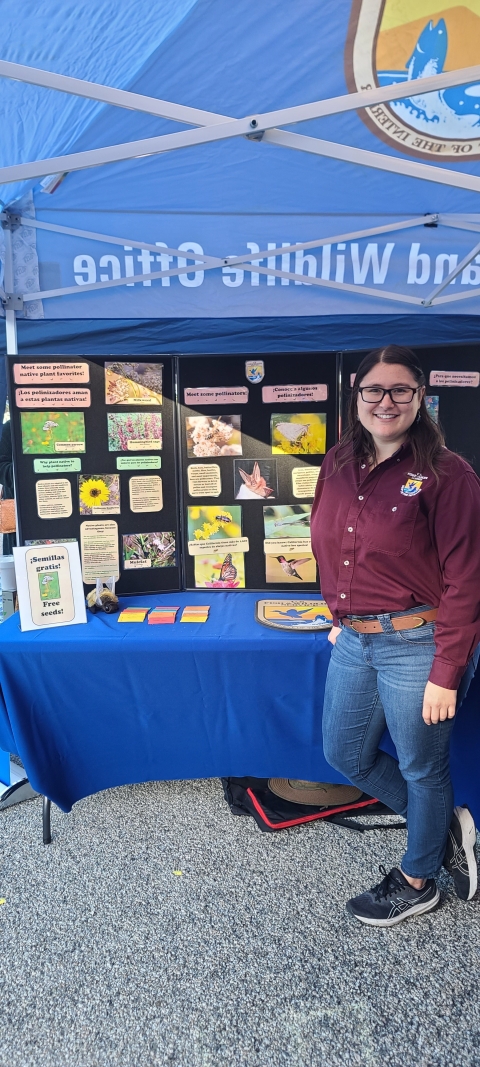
(254, 370)
(388, 43)
(413, 484)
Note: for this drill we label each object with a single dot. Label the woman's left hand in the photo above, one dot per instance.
(438, 703)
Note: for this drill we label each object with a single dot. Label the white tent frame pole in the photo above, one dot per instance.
(153, 146)
(10, 314)
(194, 116)
(453, 274)
(245, 127)
(342, 286)
(216, 261)
(211, 262)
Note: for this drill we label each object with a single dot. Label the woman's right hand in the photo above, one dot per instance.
(334, 632)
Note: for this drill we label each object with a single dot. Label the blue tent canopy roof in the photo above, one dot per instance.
(222, 198)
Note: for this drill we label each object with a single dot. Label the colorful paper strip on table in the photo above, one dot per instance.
(133, 615)
(195, 613)
(162, 615)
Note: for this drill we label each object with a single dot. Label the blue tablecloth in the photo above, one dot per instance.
(106, 704)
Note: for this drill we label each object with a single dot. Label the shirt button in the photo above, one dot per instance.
(360, 498)
(350, 529)
(343, 596)
(362, 466)
(346, 562)
(394, 509)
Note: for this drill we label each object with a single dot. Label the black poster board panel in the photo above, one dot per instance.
(98, 460)
(230, 373)
(459, 406)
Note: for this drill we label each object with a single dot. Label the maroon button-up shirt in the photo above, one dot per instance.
(393, 538)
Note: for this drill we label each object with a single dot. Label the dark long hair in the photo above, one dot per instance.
(426, 438)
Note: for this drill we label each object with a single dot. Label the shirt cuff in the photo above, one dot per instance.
(446, 674)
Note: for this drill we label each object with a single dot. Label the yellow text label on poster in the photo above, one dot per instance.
(54, 498)
(145, 493)
(204, 479)
(99, 550)
(304, 481)
(218, 547)
(278, 546)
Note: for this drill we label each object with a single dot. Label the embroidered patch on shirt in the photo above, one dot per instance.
(413, 484)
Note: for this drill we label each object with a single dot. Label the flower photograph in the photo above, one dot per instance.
(143, 550)
(99, 494)
(299, 434)
(133, 383)
(220, 572)
(214, 523)
(213, 435)
(51, 432)
(135, 431)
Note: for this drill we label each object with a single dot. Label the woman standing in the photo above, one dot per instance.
(395, 533)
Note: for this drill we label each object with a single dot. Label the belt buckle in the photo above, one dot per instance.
(417, 623)
(356, 624)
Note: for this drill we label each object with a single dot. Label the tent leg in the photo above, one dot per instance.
(47, 830)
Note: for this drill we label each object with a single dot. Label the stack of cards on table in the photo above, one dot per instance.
(162, 615)
(195, 613)
(132, 614)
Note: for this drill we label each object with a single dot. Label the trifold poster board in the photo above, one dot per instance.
(452, 393)
(253, 433)
(105, 455)
(95, 461)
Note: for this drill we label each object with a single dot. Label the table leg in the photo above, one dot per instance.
(47, 832)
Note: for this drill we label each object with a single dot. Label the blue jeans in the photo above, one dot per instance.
(376, 681)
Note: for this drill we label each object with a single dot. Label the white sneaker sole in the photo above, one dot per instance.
(418, 909)
(469, 838)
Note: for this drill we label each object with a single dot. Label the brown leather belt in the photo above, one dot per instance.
(401, 622)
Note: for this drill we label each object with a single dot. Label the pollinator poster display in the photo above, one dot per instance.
(95, 458)
(252, 436)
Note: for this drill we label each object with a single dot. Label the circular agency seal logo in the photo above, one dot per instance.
(391, 42)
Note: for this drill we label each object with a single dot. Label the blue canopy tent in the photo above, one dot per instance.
(194, 176)
(376, 206)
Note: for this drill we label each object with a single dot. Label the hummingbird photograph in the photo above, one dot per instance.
(289, 565)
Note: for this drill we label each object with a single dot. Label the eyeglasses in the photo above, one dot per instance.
(374, 394)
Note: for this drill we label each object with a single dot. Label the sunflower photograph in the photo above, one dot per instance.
(99, 494)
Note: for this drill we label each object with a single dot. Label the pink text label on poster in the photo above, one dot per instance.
(455, 377)
(216, 395)
(299, 394)
(52, 399)
(50, 373)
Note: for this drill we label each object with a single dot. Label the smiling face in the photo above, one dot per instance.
(388, 422)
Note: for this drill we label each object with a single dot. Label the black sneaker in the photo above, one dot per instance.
(461, 853)
(393, 899)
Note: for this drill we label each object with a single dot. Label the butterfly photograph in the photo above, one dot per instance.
(299, 434)
(220, 572)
